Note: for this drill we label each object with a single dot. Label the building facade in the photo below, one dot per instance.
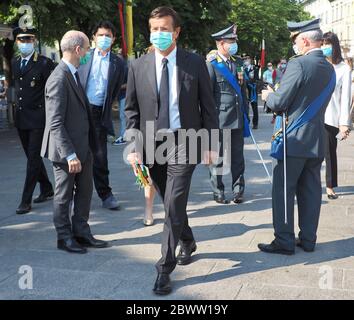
(336, 16)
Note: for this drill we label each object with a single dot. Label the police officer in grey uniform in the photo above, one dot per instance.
(30, 72)
(305, 79)
(230, 113)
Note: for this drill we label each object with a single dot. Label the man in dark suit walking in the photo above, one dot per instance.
(170, 89)
(30, 73)
(68, 138)
(304, 80)
(102, 77)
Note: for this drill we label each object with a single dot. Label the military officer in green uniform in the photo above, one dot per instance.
(229, 108)
(30, 72)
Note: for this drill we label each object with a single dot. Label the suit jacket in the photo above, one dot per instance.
(29, 88)
(304, 79)
(228, 103)
(196, 104)
(69, 127)
(116, 76)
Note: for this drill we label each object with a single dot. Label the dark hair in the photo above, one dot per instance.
(165, 12)
(106, 25)
(331, 38)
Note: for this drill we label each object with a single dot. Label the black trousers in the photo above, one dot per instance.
(32, 142)
(254, 106)
(331, 156)
(237, 164)
(71, 189)
(100, 160)
(172, 181)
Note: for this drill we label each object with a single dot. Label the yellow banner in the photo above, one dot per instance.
(129, 28)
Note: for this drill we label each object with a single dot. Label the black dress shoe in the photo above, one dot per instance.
(332, 196)
(301, 245)
(43, 197)
(91, 242)
(24, 208)
(70, 245)
(185, 254)
(162, 284)
(220, 198)
(255, 127)
(274, 248)
(238, 198)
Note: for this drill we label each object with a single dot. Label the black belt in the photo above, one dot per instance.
(96, 107)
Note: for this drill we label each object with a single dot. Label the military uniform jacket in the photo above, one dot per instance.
(304, 80)
(29, 89)
(228, 104)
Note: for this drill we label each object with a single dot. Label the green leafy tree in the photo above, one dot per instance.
(266, 18)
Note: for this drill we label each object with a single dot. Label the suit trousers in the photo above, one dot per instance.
(304, 181)
(235, 159)
(32, 142)
(331, 156)
(76, 188)
(100, 160)
(254, 106)
(172, 181)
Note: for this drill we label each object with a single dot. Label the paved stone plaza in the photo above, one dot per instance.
(227, 264)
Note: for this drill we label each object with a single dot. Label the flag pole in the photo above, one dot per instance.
(285, 170)
(130, 34)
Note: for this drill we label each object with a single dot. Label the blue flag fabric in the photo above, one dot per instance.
(277, 145)
(220, 66)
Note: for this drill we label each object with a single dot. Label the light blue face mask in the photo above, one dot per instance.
(26, 48)
(327, 51)
(85, 58)
(161, 40)
(104, 42)
(233, 49)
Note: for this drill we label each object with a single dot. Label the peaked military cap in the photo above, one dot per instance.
(296, 28)
(24, 33)
(228, 33)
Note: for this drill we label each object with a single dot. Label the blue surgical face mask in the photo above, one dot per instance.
(327, 51)
(104, 42)
(85, 58)
(26, 48)
(161, 40)
(233, 48)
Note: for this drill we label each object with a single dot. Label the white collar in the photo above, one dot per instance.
(72, 68)
(223, 57)
(171, 57)
(28, 57)
(99, 54)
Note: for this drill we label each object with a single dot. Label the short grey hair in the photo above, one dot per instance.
(313, 35)
(71, 40)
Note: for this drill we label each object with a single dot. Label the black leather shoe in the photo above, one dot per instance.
(332, 196)
(162, 284)
(70, 245)
(301, 245)
(220, 198)
(238, 198)
(23, 208)
(255, 127)
(91, 242)
(185, 254)
(274, 248)
(44, 197)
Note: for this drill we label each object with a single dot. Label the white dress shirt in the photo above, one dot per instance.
(338, 110)
(28, 58)
(175, 122)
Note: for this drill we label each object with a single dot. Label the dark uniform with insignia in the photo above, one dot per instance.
(305, 78)
(30, 76)
(230, 113)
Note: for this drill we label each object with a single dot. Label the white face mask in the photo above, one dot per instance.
(296, 49)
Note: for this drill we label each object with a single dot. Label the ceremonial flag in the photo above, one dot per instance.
(122, 27)
(263, 54)
(129, 21)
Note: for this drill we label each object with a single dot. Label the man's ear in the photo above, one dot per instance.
(177, 32)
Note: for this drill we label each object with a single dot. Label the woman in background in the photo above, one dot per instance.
(337, 116)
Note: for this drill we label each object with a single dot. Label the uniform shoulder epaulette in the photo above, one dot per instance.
(212, 55)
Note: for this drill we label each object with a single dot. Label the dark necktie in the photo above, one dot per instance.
(163, 120)
(23, 64)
